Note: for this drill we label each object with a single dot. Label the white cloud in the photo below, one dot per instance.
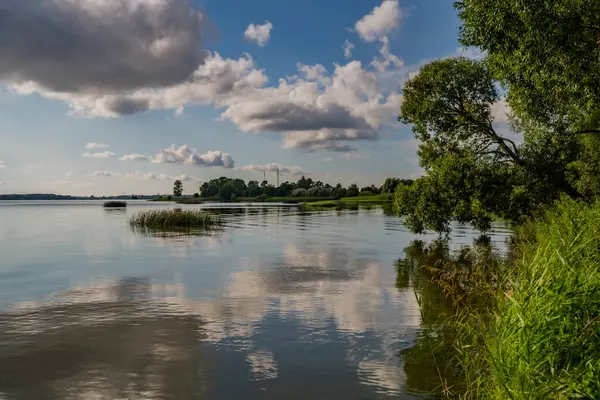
(214, 82)
(104, 174)
(103, 46)
(67, 174)
(147, 176)
(317, 110)
(2, 164)
(350, 107)
(159, 177)
(134, 157)
(93, 145)
(348, 47)
(382, 21)
(185, 178)
(314, 73)
(187, 155)
(387, 59)
(356, 156)
(259, 33)
(2, 183)
(273, 167)
(104, 154)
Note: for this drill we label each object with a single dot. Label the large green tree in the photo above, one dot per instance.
(545, 52)
(474, 171)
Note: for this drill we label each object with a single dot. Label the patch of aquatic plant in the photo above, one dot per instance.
(115, 204)
(175, 219)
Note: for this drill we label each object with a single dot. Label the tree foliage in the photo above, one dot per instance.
(473, 171)
(545, 52)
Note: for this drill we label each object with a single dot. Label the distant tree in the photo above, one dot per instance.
(390, 184)
(196, 195)
(365, 193)
(339, 192)
(304, 183)
(300, 192)
(227, 191)
(352, 191)
(177, 188)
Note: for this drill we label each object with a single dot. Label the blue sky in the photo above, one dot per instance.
(71, 110)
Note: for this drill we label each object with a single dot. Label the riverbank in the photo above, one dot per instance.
(536, 335)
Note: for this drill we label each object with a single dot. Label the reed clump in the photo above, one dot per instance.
(175, 219)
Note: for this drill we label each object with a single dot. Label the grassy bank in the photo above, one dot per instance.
(540, 336)
(377, 199)
(175, 219)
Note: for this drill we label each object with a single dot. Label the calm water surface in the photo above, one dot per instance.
(280, 303)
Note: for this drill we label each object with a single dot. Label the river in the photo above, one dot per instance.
(279, 303)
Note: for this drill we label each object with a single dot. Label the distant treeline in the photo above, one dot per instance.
(230, 189)
(46, 196)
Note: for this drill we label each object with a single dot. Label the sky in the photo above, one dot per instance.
(124, 96)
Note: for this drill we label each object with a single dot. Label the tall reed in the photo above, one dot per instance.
(541, 339)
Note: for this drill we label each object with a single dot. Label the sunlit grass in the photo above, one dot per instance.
(541, 339)
(175, 219)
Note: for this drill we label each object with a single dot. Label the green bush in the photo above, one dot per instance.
(366, 193)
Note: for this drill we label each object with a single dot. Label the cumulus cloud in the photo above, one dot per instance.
(94, 145)
(67, 174)
(160, 177)
(311, 116)
(103, 46)
(187, 155)
(259, 33)
(104, 154)
(348, 47)
(314, 110)
(2, 164)
(106, 174)
(134, 157)
(273, 167)
(382, 21)
(214, 82)
(147, 176)
(387, 60)
(185, 178)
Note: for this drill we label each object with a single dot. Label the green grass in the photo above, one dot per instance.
(175, 219)
(115, 204)
(541, 338)
(377, 199)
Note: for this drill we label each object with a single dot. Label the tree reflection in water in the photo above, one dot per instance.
(430, 365)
